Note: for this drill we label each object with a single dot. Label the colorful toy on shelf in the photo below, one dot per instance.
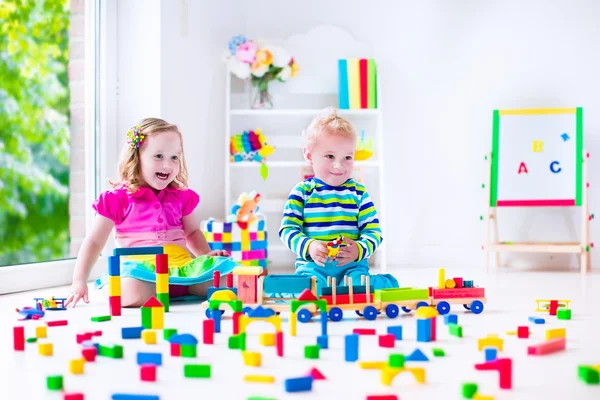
(52, 304)
(245, 210)
(364, 148)
(251, 146)
(26, 313)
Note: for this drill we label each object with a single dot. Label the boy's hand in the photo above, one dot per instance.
(79, 290)
(348, 253)
(222, 253)
(318, 252)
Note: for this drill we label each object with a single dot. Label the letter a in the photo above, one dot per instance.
(523, 168)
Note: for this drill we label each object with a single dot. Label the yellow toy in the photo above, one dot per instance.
(364, 149)
(333, 247)
(244, 212)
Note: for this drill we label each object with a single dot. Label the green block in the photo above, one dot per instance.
(438, 352)
(396, 360)
(311, 352)
(564, 314)
(164, 299)
(260, 398)
(115, 351)
(147, 317)
(469, 390)
(196, 371)
(167, 333)
(188, 350)
(54, 382)
(31, 340)
(588, 374)
(101, 318)
(400, 294)
(237, 342)
(455, 330)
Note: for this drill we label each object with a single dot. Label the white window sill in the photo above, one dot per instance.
(19, 278)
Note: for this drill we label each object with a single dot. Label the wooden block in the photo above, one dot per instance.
(252, 359)
(458, 293)
(259, 378)
(556, 333)
(149, 336)
(76, 366)
(547, 347)
(523, 332)
(41, 332)
(450, 284)
(45, 349)
(114, 285)
(247, 288)
(266, 339)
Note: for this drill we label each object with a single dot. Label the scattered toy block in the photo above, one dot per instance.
(89, 354)
(316, 374)
(54, 382)
(127, 396)
(61, 322)
(396, 331)
(323, 341)
(31, 340)
(259, 378)
(450, 283)
(76, 366)
(132, 332)
(311, 352)
(424, 330)
(469, 390)
(504, 368)
(351, 348)
(382, 397)
(149, 358)
(208, 331)
(175, 350)
(307, 295)
(82, 337)
(19, 338)
(455, 330)
(547, 347)
(564, 314)
(45, 349)
(237, 342)
(363, 331)
(537, 320)
(196, 371)
(279, 343)
(266, 339)
(588, 374)
(417, 355)
(482, 397)
(303, 384)
(115, 351)
(553, 307)
(461, 293)
(523, 332)
(167, 333)
(252, 358)
(438, 352)
(490, 341)
(458, 282)
(556, 333)
(388, 374)
(387, 341)
(101, 318)
(372, 364)
(41, 332)
(427, 312)
(468, 284)
(450, 319)
(261, 312)
(73, 396)
(491, 353)
(149, 336)
(396, 360)
(148, 372)
(188, 350)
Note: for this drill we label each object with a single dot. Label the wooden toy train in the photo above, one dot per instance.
(363, 299)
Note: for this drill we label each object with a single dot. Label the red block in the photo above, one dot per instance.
(458, 293)
(148, 372)
(553, 307)
(82, 337)
(360, 331)
(547, 347)
(175, 350)
(236, 322)
(89, 353)
(523, 332)
(382, 397)
(229, 280)
(162, 263)
(73, 396)
(388, 340)
(208, 331)
(459, 282)
(216, 279)
(279, 343)
(504, 368)
(61, 322)
(433, 329)
(97, 333)
(115, 305)
(19, 338)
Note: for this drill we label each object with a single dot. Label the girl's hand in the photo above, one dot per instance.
(347, 254)
(222, 253)
(318, 252)
(79, 290)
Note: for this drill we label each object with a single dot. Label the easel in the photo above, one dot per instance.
(492, 245)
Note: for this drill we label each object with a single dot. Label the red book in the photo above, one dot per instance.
(362, 73)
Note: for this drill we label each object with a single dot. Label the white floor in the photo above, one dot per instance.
(510, 294)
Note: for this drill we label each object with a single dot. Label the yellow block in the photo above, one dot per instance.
(162, 283)
(45, 349)
(490, 341)
(158, 318)
(223, 295)
(372, 364)
(255, 271)
(149, 336)
(114, 285)
(226, 237)
(252, 358)
(427, 312)
(210, 237)
(260, 235)
(245, 240)
(41, 332)
(389, 373)
(259, 378)
(450, 284)
(441, 278)
(76, 366)
(480, 397)
(556, 333)
(292, 319)
(266, 339)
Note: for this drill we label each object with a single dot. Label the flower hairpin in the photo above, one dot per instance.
(135, 137)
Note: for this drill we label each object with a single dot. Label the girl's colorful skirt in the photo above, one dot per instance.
(184, 270)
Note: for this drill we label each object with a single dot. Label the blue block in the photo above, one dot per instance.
(537, 320)
(149, 358)
(416, 355)
(351, 348)
(323, 341)
(132, 333)
(324, 320)
(216, 315)
(396, 331)
(303, 384)
(261, 225)
(491, 353)
(124, 396)
(450, 319)
(212, 289)
(136, 251)
(424, 330)
(467, 283)
(114, 266)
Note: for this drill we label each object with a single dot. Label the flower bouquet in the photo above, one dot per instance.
(262, 64)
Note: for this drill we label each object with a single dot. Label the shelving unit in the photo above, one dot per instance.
(296, 103)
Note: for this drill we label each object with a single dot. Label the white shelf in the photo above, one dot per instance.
(295, 164)
(304, 112)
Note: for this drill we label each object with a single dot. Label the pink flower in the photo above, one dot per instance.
(246, 52)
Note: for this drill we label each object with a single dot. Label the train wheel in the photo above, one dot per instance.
(392, 311)
(304, 315)
(422, 304)
(443, 307)
(477, 307)
(336, 314)
(466, 307)
(406, 310)
(370, 313)
(246, 310)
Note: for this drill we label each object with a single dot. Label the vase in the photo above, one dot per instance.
(260, 97)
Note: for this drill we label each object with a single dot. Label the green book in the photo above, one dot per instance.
(371, 84)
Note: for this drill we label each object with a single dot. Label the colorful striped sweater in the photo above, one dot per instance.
(317, 211)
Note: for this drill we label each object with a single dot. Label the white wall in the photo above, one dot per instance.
(444, 66)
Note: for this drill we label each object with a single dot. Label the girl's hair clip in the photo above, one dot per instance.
(135, 137)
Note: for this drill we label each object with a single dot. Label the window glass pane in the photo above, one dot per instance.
(34, 131)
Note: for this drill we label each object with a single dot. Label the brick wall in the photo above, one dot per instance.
(77, 204)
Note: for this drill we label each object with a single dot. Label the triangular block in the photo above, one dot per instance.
(152, 302)
(261, 312)
(417, 355)
(307, 295)
(316, 374)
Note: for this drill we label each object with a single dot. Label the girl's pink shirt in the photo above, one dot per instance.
(145, 219)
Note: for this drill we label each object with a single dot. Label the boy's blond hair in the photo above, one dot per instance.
(328, 121)
(129, 166)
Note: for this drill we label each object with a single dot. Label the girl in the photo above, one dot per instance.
(150, 206)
